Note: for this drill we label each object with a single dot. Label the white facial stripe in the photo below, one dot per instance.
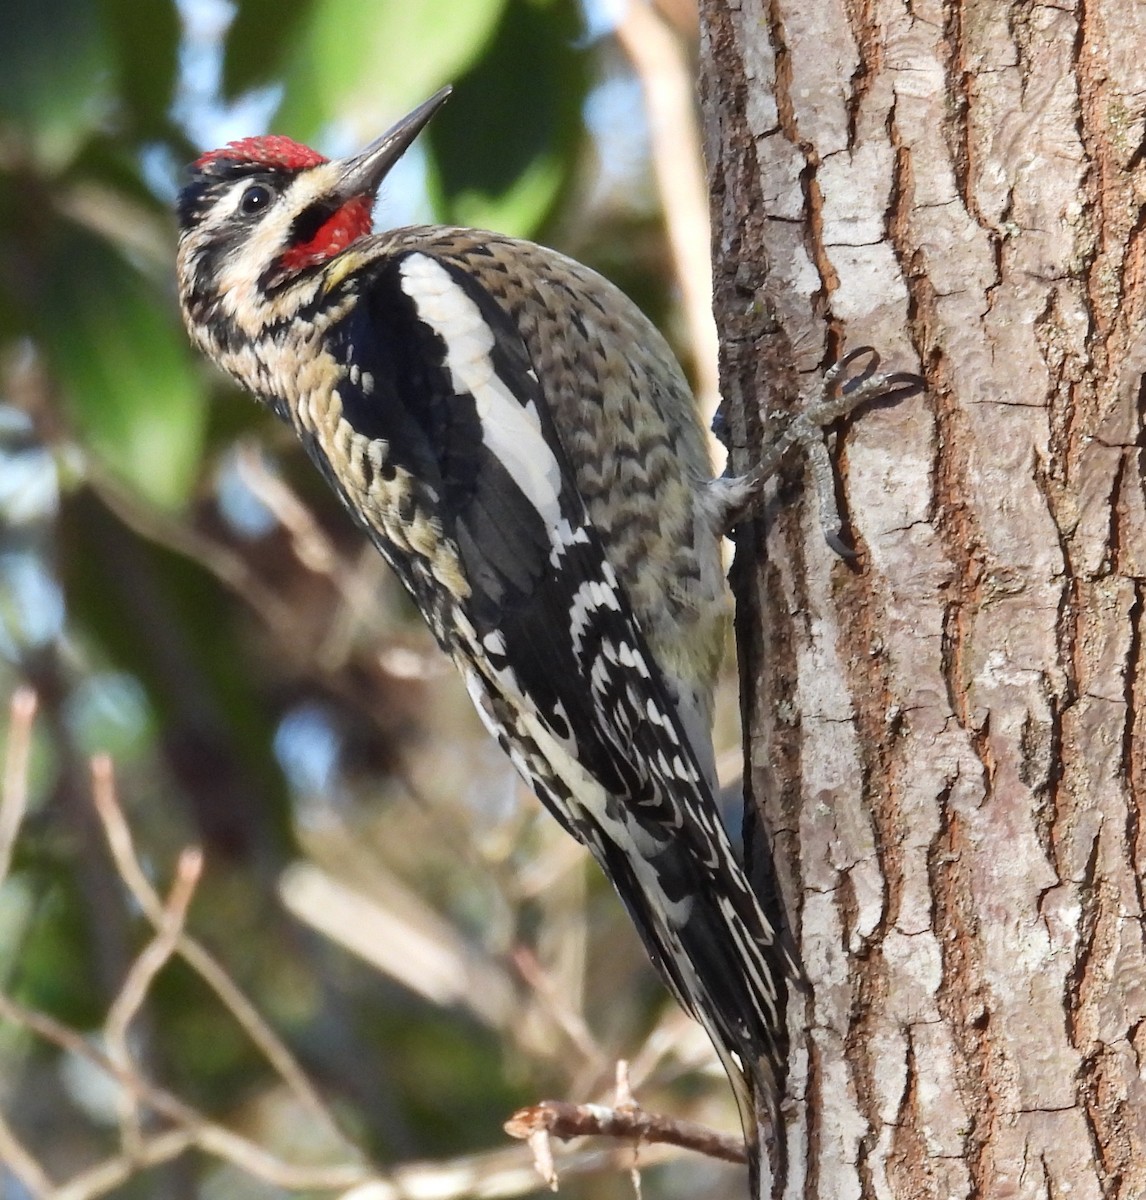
(511, 430)
(268, 237)
(235, 195)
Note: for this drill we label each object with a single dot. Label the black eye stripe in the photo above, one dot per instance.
(208, 187)
(309, 222)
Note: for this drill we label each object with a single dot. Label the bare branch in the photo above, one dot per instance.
(21, 1163)
(661, 63)
(498, 1173)
(229, 567)
(562, 1119)
(113, 1172)
(491, 1175)
(133, 993)
(197, 956)
(312, 547)
(158, 951)
(569, 1020)
(206, 1134)
(357, 587)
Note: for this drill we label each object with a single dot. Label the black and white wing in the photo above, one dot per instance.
(514, 580)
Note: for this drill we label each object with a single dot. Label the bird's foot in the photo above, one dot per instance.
(847, 384)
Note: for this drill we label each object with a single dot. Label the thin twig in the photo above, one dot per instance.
(623, 1088)
(570, 1021)
(624, 1120)
(14, 797)
(196, 956)
(208, 1136)
(563, 1120)
(312, 547)
(661, 63)
(674, 1046)
(21, 1163)
(625, 1101)
(492, 1175)
(114, 1172)
(132, 995)
(225, 564)
(159, 950)
(498, 1173)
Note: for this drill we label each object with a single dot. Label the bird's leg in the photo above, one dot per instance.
(842, 388)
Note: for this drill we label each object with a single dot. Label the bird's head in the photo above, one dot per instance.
(261, 218)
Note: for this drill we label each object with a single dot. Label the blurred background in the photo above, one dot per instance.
(387, 947)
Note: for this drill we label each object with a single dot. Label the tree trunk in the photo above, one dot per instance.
(947, 735)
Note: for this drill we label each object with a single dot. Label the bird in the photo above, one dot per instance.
(521, 446)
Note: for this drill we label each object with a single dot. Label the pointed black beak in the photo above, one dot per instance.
(362, 174)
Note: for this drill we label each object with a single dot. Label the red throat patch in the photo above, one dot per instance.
(274, 150)
(350, 222)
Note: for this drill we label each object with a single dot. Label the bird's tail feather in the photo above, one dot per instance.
(765, 1138)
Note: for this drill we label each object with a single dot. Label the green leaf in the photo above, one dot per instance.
(507, 142)
(51, 972)
(258, 40)
(363, 65)
(144, 40)
(54, 85)
(518, 208)
(115, 345)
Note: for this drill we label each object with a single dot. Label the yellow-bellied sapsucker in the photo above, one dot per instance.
(523, 449)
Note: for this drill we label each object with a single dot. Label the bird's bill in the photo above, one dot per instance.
(362, 174)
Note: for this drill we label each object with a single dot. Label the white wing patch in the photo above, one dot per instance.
(589, 597)
(510, 429)
(565, 537)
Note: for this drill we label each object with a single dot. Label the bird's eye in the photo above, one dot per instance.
(255, 199)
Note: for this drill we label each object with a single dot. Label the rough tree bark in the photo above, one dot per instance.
(947, 736)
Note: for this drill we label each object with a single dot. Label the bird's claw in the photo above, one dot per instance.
(842, 388)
